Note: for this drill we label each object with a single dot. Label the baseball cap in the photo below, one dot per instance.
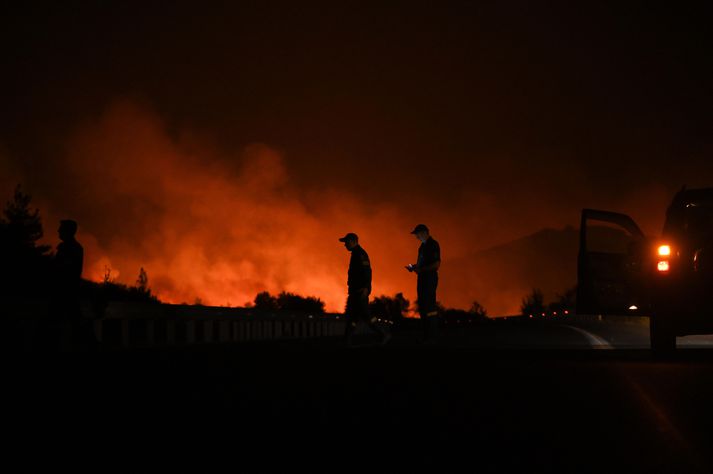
(349, 236)
(420, 228)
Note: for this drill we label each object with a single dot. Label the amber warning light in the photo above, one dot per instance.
(663, 251)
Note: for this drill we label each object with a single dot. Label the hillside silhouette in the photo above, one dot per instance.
(499, 276)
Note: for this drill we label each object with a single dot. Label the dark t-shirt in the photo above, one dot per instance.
(429, 253)
(359, 275)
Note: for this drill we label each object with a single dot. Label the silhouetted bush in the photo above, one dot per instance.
(533, 304)
(389, 307)
(566, 301)
(286, 301)
(292, 302)
(112, 291)
(476, 314)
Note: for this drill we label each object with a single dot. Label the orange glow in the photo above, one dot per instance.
(220, 228)
(663, 266)
(664, 250)
(222, 225)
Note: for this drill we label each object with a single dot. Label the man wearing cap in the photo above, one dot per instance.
(359, 288)
(429, 260)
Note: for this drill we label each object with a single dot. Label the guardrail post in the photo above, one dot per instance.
(207, 327)
(223, 331)
(170, 333)
(151, 332)
(191, 332)
(98, 327)
(125, 332)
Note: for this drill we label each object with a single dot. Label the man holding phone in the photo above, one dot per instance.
(429, 261)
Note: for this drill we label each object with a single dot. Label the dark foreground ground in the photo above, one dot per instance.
(505, 397)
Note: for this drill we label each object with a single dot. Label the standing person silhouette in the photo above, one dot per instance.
(359, 288)
(69, 261)
(429, 261)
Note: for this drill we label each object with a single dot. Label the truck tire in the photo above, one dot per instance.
(662, 334)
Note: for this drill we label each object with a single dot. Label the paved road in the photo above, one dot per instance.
(630, 334)
(504, 397)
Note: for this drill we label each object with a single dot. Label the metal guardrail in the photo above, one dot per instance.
(149, 332)
(615, 319)
(141, 325)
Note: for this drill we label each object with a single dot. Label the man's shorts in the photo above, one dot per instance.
(426, 289)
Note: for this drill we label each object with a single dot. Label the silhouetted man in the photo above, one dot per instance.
(429, 260)
(69, 261)
(359, 288)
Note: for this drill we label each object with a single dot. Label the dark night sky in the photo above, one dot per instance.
(402, 85)
(508, 104)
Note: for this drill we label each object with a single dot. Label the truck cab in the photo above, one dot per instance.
(669, 278)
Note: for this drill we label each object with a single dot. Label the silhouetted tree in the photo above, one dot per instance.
(533, 303)
(389, 307)
(266, 302)
(477, 310)
(21, 226)
(142, 282)
(107, 278)
(25, 264)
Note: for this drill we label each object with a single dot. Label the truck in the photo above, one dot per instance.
(669, 277)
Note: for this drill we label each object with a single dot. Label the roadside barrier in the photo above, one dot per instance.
(609, 319)
(140, 325)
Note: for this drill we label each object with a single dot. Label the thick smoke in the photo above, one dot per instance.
(212, 227)
(220, 228)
